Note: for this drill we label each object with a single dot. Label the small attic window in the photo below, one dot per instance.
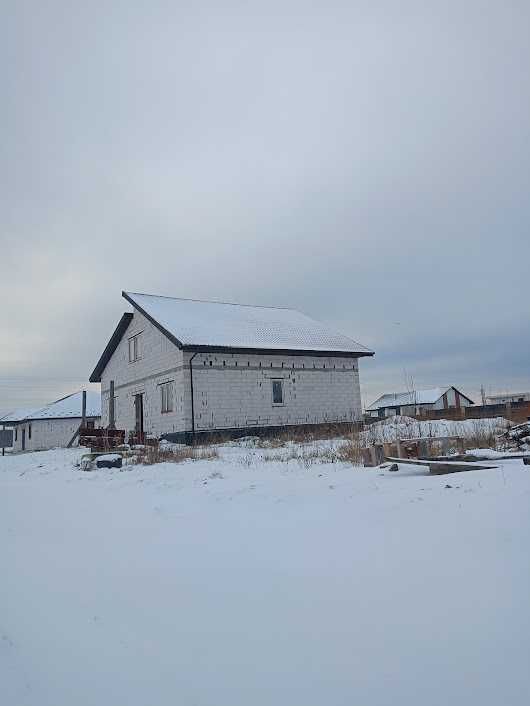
(134, 348)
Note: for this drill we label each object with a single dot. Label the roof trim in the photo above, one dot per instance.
(155, 323)
(116, 337)
(277, 351)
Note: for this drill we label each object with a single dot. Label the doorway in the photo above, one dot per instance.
(139, 414)
(23, 438)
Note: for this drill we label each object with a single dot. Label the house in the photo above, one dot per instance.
(180, 368)
(417, 401)
(53, 425)
(508, 398)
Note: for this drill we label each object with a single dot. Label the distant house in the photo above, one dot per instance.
(54, 424)
(508, 397)
(418, 401)
(180, 367)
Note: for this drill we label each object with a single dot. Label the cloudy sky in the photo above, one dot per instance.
(365, 162)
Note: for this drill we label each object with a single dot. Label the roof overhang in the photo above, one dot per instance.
(277, 351)
(116, 337)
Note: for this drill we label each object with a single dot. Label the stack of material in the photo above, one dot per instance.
(519, 436)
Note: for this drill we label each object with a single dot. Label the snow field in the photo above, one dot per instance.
(235, 582)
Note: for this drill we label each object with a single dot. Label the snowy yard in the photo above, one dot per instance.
(239, 582)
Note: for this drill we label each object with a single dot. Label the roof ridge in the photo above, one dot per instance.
(209, 301)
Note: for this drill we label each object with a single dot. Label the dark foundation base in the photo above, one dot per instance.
(217, 435)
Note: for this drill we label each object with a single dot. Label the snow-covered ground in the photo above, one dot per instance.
(401, 427)
(241, 582)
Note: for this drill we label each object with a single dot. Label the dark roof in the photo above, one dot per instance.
(116, 337)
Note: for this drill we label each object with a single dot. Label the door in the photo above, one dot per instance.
(23, 438)
(139, 414)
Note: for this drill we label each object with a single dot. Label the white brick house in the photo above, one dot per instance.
(54, 425)
(418, 401)
(182, 367)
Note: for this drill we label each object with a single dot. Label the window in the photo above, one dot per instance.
(166, 392)
(29, 431)
(277, 392)
(134, 348)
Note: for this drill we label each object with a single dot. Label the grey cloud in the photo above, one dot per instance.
(368, 163)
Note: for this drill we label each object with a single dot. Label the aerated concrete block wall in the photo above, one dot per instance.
(235, 390)
(161, 361)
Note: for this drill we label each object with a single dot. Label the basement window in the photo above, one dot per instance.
(166, 394)
(134, 348)
(277, 392)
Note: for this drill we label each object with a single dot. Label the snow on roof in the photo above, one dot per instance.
(18, 415)
(219, 324)
(70, 406)
(397, 399)
(66, 407)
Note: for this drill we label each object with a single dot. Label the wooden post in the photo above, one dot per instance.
(112, 424)
(83, 420)
(83, 410)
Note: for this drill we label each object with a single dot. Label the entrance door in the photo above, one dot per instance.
(23, 439)
(139, 414)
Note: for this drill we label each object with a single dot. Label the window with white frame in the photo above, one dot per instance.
(166, 396)
(277, 392)
(134, 348)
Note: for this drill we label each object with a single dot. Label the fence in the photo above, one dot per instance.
(516, 412)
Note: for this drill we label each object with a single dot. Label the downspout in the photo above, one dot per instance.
(192, 403)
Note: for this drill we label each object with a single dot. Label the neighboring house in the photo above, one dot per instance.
(508, 398)
(181, 367)
(418, 401)
(53, 425)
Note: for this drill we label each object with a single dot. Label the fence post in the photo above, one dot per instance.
(112, 424)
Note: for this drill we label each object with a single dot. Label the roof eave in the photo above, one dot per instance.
(111, 346)
(274, 351)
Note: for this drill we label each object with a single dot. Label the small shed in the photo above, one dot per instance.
(53, 425)
(412, 403)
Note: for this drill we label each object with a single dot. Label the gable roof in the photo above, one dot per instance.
(221, 326)
(69, 407)
(416, 397)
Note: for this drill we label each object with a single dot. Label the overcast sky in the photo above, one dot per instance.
(365, 162)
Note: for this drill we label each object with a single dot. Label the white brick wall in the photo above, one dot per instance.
(230, 391)
(235, 390)
(46, 433)
(161, 361)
